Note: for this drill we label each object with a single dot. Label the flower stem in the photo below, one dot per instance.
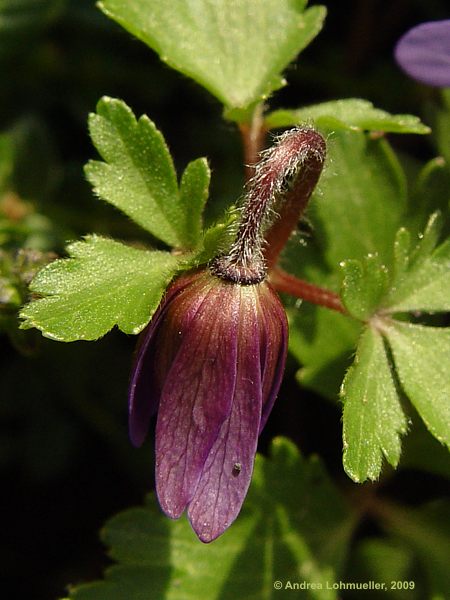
(282, 183)
(296, 199)
(285, 282)
(253, 140)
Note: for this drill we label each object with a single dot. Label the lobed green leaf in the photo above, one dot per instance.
(373, 418)
(349, 113)
(103, 283)
(282, 534)
(422, 356)
(194, 189)
(236, 50)
(138, 175)
(421, 276)
(363, 286)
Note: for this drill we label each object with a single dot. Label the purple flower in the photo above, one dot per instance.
(211, 363)
(212, 358)
(424, 53)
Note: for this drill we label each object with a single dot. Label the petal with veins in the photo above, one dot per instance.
(228, 469)
(196, 398)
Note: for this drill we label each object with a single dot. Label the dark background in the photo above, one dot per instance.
(66, 463)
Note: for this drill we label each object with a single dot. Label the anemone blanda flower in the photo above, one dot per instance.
(424, 53)
(210, 362)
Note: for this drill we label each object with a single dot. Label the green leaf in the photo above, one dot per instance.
(322, 341)
(194, 188)
(373, 417)
(236, 50)
(363, 286)
(384, 561)
(218, 238)
(422, 357)
(283, 534)
(103, 283)
(431, 193)
(361, 200)
(361, 184)
(441, 127)
(426, 530)
(421, 278)
(139, 178)
(350, 113)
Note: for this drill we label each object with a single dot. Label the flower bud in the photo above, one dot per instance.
(210, 362)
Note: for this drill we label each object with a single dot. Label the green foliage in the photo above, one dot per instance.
(139, 178)
(426, 531)
(194, 188)
(364, 285)
(423, 372)
(322, 341)
(364, 237)
(421, 277)
(103, 283)
(362, 184)
(384, 273)
(442, 125)
(387, 561)
(236, 50)
(373, 416)
(351, 113)
(279, 535)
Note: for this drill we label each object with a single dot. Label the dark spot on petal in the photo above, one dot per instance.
(236, 469)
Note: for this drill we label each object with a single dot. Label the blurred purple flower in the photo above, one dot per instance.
(211, 363)
(424, 53)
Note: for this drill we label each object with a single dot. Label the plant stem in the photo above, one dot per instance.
(295, 200)
(286, 175)
(253, 140)
(285, 282)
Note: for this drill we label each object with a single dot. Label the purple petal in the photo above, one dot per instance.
(228, 469)
(145, 388)
(143, 392)
(196, 398)
(424, 53)
(273, 351)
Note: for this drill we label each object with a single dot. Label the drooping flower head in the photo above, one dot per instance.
(211, 363)
(424, 53)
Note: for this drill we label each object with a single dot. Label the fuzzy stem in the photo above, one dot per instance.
(296, 200)
(285, 282)
(287, 172)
